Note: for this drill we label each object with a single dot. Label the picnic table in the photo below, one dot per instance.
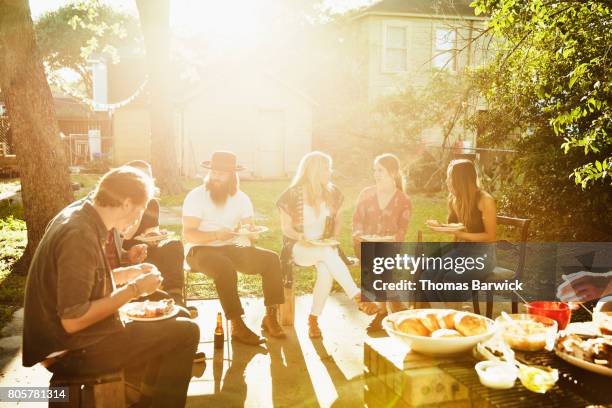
(397, 377)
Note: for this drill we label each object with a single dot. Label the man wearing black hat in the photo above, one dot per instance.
(211, 215)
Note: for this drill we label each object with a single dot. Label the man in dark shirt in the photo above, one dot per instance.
(168, 255)
(71, 321)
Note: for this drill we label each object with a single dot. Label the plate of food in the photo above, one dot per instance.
(592, 353)
(324, 242)
(439, 332)
(247, 230)
(527, 332)
(377, 238)
(439, 227)
(150, 311)
(153, 236)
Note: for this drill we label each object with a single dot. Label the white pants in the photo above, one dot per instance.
(329, 267)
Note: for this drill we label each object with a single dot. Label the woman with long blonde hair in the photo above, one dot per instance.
(473, 207)
(310, 213)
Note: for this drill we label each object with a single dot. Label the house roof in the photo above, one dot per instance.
(449, 8)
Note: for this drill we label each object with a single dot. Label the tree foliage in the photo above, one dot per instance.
(554, 64)
(68, 36)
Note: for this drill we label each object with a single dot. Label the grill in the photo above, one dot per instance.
(575, 388)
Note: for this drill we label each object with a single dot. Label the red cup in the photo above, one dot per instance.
(559, 311)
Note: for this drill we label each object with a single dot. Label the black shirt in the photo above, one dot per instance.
(150, 219)
(68, 272)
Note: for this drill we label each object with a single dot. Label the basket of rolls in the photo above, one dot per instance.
(439, 332)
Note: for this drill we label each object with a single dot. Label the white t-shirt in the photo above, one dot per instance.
(314, 225)
(199, 204)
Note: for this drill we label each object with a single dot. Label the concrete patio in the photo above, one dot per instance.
(294, 372)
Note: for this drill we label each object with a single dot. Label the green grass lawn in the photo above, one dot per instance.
(262, 193)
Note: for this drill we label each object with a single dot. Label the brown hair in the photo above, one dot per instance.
(464, 190)
(391, 163)
(123, 183)
(141, 165)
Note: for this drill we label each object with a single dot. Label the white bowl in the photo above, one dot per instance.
(500, 382)
(435, 346)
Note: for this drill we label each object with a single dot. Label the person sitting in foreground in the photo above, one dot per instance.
(212, 213)
(71, 319)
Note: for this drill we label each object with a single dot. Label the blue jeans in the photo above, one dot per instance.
(167, 347)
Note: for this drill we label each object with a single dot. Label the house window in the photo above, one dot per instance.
(396, 49)
(445, 49)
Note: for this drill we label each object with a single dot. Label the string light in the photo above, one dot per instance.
(54, 79)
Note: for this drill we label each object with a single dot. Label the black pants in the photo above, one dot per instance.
(168, 258)
(222, 263)
(166, 347)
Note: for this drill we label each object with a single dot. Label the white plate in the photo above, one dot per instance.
(378, 238)
(168, 315)
(260, 229)
(445, 229)
(324, 242)
(153, 238)
(436, 346)
(586, 365)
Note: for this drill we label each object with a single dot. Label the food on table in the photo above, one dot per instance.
(442, 324)
(440, 333)
(412, 325)
(446, 319)
(430, 321)
(497, 374)
(149, 309)
(469, 325)
(494, 349)
(604, 322)
(527, 332)
(596, 350)
(538, 379)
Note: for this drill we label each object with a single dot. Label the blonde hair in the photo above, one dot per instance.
(123, 183)
(309, 177)
(464, 189)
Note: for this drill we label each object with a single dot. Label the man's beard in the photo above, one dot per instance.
(219, 192)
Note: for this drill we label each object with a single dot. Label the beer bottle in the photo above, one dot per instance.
(219, 337)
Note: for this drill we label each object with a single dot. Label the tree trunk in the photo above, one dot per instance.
(154, 21)
(45, 184)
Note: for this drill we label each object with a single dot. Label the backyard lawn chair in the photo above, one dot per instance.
(499, 273)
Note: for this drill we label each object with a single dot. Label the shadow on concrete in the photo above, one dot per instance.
(291, 382)
(350, 391)
(233, 392)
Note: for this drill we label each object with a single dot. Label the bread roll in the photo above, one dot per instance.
(470, 325)
(440, 333)
(446, 319)
(412, 325)
(430, 321)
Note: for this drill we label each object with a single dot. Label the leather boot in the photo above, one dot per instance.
(314, 332)
(270, 323)
(241, 333)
